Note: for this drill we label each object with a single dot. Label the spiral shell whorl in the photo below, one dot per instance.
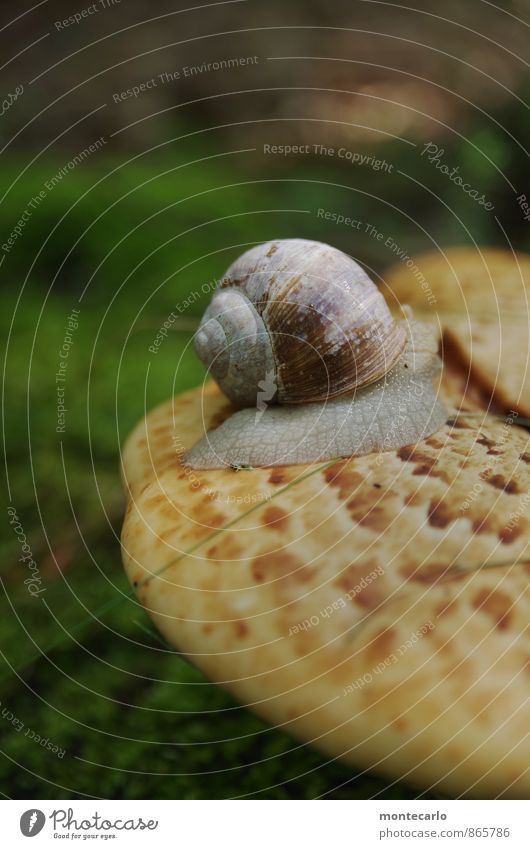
(234, 345)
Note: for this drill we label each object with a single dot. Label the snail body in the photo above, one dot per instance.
(300, 337)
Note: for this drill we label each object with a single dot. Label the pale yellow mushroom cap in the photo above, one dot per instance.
(374, 607)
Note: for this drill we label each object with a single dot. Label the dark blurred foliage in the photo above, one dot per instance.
(416, 68)
(179, 191)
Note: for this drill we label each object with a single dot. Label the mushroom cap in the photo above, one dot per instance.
(482, 299)
(376, 608)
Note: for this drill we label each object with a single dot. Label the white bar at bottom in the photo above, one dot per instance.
(260, 824)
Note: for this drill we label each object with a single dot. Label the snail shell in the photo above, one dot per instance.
(299, 335)
(302, 316)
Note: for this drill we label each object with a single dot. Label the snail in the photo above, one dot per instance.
(301, 339)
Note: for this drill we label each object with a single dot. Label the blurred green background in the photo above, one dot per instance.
(132, 231)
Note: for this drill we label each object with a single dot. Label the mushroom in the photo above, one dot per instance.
(376, 607)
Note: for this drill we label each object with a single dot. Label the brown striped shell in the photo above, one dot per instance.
(299, 320)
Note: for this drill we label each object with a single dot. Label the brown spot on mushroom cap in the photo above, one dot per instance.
(415, 499)
(510, 532)
(370, 596)
(440, 514)
(430, 469)
(160, 430)
(369, 509)
(275, 518)
(278, 476)
(499, 482)
(496, 604)
(445, 608)
(271, 567)
(414, 454)
(240, 628)
(359, 584)
(426, 463)
(430, 573)
(483, 440)
(484, 524)
(381, 645)
(434, 442)
(425, 467)
(225, 549)
(203, 513)
(342, 476)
